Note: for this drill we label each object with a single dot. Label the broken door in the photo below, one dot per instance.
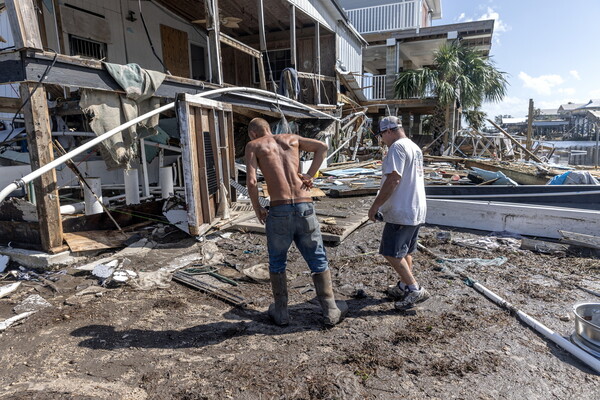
(206, 129)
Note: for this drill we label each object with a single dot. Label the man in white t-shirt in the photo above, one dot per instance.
(401, 204)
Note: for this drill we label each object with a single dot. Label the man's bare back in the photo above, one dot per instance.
(278, 158)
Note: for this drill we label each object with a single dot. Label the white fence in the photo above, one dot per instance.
(373, 86)
(389, 17)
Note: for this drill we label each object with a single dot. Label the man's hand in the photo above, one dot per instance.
(261, 214)
(372, 211)
(307, 181)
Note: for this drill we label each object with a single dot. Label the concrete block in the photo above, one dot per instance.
(37, 259)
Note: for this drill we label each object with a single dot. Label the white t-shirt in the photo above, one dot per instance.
(407, 205)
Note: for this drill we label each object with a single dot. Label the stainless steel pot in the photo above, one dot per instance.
(587, 327)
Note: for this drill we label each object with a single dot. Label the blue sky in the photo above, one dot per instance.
(549, 49)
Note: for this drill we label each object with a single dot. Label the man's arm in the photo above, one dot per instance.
(252, 183)
(320, 152)
(392, 181)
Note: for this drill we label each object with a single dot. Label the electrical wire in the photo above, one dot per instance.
(150, 40)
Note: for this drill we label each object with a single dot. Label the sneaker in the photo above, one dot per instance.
(412, 298)
(396, 292)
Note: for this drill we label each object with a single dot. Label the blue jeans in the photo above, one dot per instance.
(298, 223)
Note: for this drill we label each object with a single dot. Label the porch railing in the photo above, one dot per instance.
(388, 17)
(373, 86)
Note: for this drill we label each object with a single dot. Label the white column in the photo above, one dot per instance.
(93, 203)
(165, 181)
(132, 186)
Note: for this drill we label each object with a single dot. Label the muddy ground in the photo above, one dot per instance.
(179, 343)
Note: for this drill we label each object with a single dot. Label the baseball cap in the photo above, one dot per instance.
(386, 123)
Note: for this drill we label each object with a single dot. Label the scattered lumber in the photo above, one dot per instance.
(197, 283)
(580, 239)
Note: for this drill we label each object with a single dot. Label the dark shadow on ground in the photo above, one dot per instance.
(304, 317)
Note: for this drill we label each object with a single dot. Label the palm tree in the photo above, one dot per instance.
(460, 76)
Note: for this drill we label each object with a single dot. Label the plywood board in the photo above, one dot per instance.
(96, 240)
(175, 51)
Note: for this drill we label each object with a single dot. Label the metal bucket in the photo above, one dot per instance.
(587, 327)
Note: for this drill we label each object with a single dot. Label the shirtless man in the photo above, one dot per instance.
(291, 214)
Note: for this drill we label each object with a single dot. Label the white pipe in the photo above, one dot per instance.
(76, 208)
(582, 355)
(132, 189)
(93, 198)
(165, 181)
(42, 170)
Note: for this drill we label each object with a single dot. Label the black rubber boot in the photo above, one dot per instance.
(333, 311)
(278, 311)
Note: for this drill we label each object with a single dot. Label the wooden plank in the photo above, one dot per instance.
(190, 170)
(542, 246)
(529, 220)
(39, 139)
(24, 24)
(10, 104)
(96, 240)
(175, 50)
(343, 227)
(516, 142)
(236, 44)
(580, 239)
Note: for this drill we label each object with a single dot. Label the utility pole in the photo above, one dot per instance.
(528, 142)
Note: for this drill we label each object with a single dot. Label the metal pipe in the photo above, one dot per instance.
(549, 334)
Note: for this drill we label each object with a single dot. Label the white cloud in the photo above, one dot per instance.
(575, 74)
(567, 91)
(514, 106)
(543, 84)
(499, 25)
(594, 94)
(490, 13)
(462, 18)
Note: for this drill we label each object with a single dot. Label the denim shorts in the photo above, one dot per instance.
(398, 240)
(296, 223)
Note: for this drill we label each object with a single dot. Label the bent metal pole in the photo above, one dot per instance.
(542, 329)
(42, 170)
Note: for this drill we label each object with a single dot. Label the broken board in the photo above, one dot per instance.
(96, 240)
(344, 226)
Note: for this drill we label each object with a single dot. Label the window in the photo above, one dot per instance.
(87, 48)
(198, 64)
(278, 60)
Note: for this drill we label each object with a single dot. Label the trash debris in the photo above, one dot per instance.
(205, 287)
(8, 322)
(7, 289)
(124, 275)
(35, 302)
(258, 272)
(105, 271)
(199, 269)
(330, 221)
(211, 254)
